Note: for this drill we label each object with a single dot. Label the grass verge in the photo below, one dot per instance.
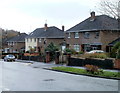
(83, 71)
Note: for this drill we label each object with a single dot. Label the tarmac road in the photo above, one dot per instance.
(18, 76)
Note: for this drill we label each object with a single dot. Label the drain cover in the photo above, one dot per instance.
(35, 67)
(49, 80)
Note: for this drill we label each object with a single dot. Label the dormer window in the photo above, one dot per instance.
(86, 35)
(69, 35)
(76, 35)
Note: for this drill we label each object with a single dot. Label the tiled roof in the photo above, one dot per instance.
(18, 38)
(51, 32)
(102, 22)
(114, 42)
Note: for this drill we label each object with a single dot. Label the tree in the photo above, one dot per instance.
(110, 7)
(52, 48)
(115, 50)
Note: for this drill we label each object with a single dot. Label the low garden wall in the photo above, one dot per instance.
(101, 63)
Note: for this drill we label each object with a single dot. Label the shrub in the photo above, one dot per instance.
(91, 68)
(118, 53)
(52, 48)
(81, 52)
(71, 51)
(95, 55)
(114, 50)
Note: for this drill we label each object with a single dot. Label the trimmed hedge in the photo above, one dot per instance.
(106, 63)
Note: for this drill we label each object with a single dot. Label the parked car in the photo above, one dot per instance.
(95, 51)
(9, 58)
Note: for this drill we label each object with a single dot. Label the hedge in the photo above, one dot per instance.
(101, 63)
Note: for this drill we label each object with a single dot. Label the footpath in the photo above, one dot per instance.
(52, 64)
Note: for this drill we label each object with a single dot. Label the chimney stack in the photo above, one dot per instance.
(92, 16)
(45, 27)
(63, 28)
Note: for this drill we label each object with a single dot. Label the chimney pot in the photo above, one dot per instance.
(45, 27)
(63, 28)
(92, 16)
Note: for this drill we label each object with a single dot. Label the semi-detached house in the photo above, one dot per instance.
(94, 33)
(42, 37)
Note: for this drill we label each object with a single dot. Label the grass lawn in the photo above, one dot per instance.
(83, 71)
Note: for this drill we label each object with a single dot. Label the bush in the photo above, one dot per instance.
(118, 53)
(95, 55)
(52, 48)
(81, 52)
(91, 68)
(114, 50)
(71, 51)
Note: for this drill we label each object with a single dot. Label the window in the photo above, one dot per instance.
(27, 39)
(31, 39)
(40, 40)
(13, 43)
(77, 47)
(69, 35)
(76, 35)
(8, 43)
(34, 39)
(86, 35)
(97, 35)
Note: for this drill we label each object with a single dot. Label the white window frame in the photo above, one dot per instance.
(69, 35)
(76, 35)
(40, 40)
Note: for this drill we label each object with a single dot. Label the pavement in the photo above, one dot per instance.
(52, 64)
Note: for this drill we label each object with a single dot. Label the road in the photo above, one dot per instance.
(18, 76)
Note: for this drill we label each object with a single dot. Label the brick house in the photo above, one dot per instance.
(16, 43)
(94, 33)
(41, 37)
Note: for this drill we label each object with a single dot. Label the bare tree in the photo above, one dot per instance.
(110, 7)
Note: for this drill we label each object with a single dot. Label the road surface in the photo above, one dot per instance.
(16, 76)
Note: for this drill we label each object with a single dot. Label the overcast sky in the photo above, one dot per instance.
(27, 15)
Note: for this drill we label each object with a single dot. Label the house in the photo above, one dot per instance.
(7, 35)
(94, 33)
(16, 44)
(42, 37)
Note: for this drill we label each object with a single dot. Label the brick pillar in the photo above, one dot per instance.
(57, 54)
(47, 56)
(117, 63)
(68, 58)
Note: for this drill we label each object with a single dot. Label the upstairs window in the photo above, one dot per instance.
(97, 35)
(86, 35)
(34, 39)
(31, 39)
(76, 35)
(27, 39)
(69, 35)
(40, 40)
